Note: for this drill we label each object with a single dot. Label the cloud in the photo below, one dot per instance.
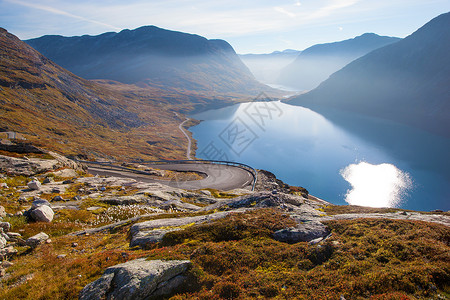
(60, 12)
(284, 11)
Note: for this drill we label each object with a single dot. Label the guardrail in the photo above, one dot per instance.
(218, 162)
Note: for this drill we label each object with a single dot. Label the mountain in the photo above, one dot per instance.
(149, 56)
(267, 67)
(56, 109)
(315, 64)
(407, 81)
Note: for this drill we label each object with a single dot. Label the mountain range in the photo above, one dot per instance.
(56, 109)
(267, 67)
(407, 81)
(315, 64)
(152, 56)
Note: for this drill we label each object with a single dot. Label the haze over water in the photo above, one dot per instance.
(342, 158)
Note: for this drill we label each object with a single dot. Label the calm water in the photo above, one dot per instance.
(336, 156)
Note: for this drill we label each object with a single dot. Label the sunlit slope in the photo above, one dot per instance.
(61, 111)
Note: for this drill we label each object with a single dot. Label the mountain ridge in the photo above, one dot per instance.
(151, 55)
(406, 81)
(314, 64)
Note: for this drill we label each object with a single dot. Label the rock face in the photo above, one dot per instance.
(42, 213)
(304, 232)
(37, 239)
(137, 279)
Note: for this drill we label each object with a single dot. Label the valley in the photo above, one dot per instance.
(154, 163)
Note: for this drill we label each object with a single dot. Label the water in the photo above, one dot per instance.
(337, 156)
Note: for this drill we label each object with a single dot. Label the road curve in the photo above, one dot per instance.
(188, 150)
(221, 177)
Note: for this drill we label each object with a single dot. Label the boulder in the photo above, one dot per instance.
(147, 238)
(42, 213)
(137, 279)
(39, 202)
(2, 212)
(34, 185)
(304, 232)
(48, 180)
(5, 226)
(2, 242)
(36, 240)
(3, 185)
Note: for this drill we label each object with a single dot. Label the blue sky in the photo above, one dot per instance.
(252, 26)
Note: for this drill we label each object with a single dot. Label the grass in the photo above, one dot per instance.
(236, 258)
(354, 209)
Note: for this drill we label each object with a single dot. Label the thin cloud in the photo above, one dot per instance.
(284, 11)
(60, 12)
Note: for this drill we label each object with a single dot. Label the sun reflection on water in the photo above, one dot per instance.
(381, 185)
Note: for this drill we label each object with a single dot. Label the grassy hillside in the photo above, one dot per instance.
(55, 109)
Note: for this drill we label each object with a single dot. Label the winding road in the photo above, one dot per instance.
(188, 150)
(220, 177)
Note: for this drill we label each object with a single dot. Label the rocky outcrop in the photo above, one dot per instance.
(36, 240)
(32, 166)
(137, 279)
(304, 232)
(146, 233)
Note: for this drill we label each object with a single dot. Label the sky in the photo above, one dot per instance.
(250, 26)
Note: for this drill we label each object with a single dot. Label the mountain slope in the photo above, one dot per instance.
(267, 67)
(63, 112)
(152, 56)
(407, 81)
(316, 63)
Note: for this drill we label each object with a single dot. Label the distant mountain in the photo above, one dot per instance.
(58, 110)
(315, 64)
(152, 56)
(267, 67)
(408, 81)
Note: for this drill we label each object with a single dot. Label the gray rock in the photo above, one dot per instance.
(2, 212)
(304, 232)
(57, 198)
(34, 185)
(39, 202)
(145, 239)
(179, 204)
(36, 240)
(48, 180)
(148, 232)
(3, 185)
(42, 213)
(7, 252)
(5, 226)
(137, 279)
(14, 235)
(2, 242)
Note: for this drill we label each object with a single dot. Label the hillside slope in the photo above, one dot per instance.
(63, 112)
(407, 81)
(149, 56)
(318, 62)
